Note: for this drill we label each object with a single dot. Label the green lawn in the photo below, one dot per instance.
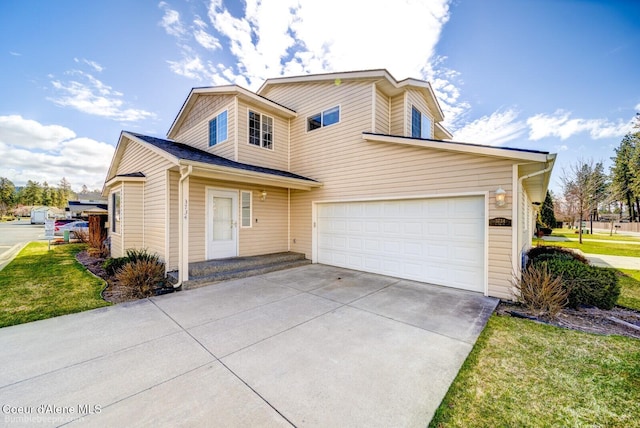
(571, 233)
(525, 374)
(608, 248)
(40, 284)
(630, 289)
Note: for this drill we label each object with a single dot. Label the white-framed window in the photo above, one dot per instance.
(420, 124)
(218, 129)
(246, 204)
(116, 212)
(260, 130)
(324, 118)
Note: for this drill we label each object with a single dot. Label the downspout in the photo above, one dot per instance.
(184, 174)
(533, 174)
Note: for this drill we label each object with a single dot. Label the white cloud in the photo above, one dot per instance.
(205, 39)
(89, 95)
(17, 131)
(560, 125)
(493, 130)
(637, 107)
(289, 37)
(32, 151)
(15, 53)
(171, 21)
(97, 67)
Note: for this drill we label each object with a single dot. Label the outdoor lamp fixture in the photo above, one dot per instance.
(501, 197)
(264, 195)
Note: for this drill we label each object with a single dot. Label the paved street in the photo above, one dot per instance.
(14, 235)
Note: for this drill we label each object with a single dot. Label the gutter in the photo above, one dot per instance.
(184, 174)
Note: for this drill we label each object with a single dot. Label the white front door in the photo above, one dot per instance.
(222, 224)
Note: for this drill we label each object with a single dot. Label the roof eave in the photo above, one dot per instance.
(245, 176)
(461, 147)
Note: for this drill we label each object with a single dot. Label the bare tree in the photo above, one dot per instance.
(584, 186)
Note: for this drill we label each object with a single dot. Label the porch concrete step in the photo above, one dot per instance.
(243, 272)
(210, 267)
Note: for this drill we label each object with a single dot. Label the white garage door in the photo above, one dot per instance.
(439, 241)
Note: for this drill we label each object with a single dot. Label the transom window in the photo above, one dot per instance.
(420, 124)
(218, 129)
(260, 130)
(324, 118)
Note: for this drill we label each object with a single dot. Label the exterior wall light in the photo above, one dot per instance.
(263, 195)
(501, 196)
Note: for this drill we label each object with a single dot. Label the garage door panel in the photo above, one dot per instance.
(431, 240)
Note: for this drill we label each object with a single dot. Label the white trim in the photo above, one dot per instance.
(240, 213)
(273, 130)
(484, 194)
(373, 107)
(236, 128)
(167, 226)
(322, 125)
(228, 192)
(461, 147)
(288, 219)
(211, 118)
(515, 222)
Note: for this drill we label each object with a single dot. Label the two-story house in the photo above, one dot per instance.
(351, 169)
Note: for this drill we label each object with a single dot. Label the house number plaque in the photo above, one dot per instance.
(500, 221)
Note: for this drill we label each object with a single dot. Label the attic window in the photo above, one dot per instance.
(325, 118)
(218, 129)
(420, 124)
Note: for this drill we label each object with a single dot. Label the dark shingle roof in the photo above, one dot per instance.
(184, 152)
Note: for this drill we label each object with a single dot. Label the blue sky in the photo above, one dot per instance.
(552, 75)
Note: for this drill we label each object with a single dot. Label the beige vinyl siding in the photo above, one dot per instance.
(397, 119)
(138, 158)
(382, 109)
(172, 259)
(267, 235)
(416, 99)
(133, 215)
(271, 158)
(195, 129)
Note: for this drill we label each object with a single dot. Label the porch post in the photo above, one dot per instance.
(183, 228)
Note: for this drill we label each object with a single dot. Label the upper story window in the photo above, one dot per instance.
(420, 124)
(325, 118)
(260, 130)
(218, 129)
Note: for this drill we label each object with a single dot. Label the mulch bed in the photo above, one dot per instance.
(619, 320)
(113, 292)
(590, 320)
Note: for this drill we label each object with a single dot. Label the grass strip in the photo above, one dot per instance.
(41, 284)
(527, 374)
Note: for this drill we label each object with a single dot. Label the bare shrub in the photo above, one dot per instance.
(541, 291)
(81, 235)
(141, 278)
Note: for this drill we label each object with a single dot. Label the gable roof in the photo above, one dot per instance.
(205, 163)
(235, 90)
(385, 81)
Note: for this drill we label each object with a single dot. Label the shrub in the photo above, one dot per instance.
(81, 235)
(545, 252)
(112, 265)
(587, 285)
(541, 291)
(141, 277)
(135, 255)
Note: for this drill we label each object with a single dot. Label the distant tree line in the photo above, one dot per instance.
(589, 193)
(34, 193)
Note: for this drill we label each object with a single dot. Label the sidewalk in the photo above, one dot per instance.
(618, 262)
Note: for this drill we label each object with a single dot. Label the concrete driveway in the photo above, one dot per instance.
(310, 346)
